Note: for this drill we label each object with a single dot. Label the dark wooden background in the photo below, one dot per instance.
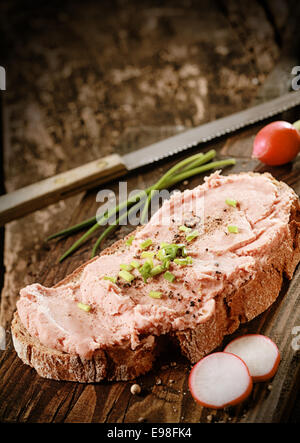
(90, 78)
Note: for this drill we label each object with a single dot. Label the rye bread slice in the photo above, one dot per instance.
(122, 363)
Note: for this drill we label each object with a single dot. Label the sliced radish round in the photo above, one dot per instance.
(260, 354)
(220, 379)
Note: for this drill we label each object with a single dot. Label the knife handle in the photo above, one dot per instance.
(38, 195)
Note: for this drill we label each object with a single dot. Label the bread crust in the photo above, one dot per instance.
(122, 363)
(115, 363)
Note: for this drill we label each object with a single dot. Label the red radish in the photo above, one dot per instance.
(260, 354)
(277, 143)
(220, 379)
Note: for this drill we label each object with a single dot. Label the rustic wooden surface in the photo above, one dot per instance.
(100, 79)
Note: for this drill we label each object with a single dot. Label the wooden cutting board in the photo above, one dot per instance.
(24, 396)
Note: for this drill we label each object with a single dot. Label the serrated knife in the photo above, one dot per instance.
(38, 195)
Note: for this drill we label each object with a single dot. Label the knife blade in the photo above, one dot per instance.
(38, 195)
(209, 131)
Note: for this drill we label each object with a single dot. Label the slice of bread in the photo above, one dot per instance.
(120, 362)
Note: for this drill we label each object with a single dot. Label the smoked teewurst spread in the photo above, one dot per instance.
(236, 222)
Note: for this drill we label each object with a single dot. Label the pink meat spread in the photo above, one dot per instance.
(122, 312)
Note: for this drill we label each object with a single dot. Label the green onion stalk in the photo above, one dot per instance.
(193, 165)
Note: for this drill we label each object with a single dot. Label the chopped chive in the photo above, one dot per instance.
(84, 307)
(161, 255)
(166, 263)
(150, 262)
(129, 240)
(183, 261)
(112, 279)
(184, 228)
(126, 267)
(126, 276)
(231, 202)
(184, 252)
(147, 254)
(145, 244)
(167, 251)
(135, 264)
(145, 270)
(157, 270)
(169, 276)
(233, 229)
(190, 237)
(155, 294)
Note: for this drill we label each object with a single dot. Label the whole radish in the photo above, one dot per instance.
(277, 143)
